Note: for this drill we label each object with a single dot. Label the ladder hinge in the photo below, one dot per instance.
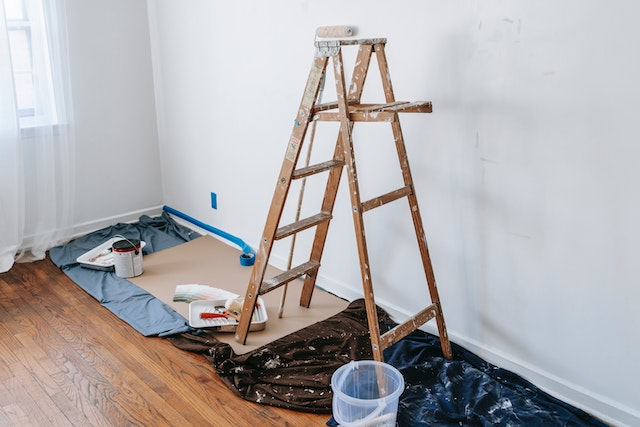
(326, 48)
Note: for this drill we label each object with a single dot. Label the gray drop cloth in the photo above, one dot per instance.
(144, 312)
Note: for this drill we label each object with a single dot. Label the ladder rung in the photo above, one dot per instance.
(386, 198)
(287, 276)
(402, 330)
(313, 169)
(303, 224)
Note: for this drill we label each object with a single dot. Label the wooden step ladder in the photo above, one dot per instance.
(346, 110)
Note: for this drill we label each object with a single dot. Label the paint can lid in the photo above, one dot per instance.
(126, 245)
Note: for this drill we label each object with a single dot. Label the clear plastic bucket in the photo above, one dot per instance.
(366, 393)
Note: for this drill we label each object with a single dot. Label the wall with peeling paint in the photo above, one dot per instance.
(526, 170)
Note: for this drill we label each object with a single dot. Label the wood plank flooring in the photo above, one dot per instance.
(67, 361)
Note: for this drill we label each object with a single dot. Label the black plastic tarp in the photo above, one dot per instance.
(468, 391)
(294, 372)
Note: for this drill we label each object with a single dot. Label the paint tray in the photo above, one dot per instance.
(100, 257)
(223, 324)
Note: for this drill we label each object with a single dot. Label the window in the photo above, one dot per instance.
(30, 61)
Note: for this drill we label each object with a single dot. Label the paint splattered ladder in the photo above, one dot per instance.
(346, 110)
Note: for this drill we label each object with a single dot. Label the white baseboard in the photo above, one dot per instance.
(81, 229)
(128, 217)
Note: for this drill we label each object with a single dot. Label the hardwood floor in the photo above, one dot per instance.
(67, 361)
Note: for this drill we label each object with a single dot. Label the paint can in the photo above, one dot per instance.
(127, 257)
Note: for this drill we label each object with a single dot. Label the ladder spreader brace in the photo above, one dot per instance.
(346, 110)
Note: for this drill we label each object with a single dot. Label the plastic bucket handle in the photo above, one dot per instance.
(353, 365)
(362, 421)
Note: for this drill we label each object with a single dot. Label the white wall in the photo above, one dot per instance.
(117, 154)
(526, 171)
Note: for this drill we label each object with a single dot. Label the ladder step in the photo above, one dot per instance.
(386, 198)
(314, 169)
(402, 330)
(303, 224)
(287, 276)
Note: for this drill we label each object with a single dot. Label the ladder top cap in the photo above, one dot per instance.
(379, 40)
(347, 42)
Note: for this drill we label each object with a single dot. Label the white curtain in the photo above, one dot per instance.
(11, 189)
(37, 162)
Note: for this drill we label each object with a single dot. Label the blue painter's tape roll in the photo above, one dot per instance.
(247, 259)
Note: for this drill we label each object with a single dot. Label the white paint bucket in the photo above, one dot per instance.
(127, 257)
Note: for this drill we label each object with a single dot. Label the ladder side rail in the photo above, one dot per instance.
(421, 238)
(413, 203)
(385, 76)
(300, 127)
(358, 223)
(358, 77)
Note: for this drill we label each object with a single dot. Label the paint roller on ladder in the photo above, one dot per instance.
(327, 38)
(335, 31)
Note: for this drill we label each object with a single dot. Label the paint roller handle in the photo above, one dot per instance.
(209, 315)
(335, 31)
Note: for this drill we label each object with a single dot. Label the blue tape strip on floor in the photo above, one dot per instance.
(248, 256)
